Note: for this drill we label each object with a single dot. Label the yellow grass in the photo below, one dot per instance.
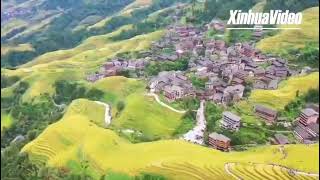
(12, 25)
(76, 63)
(6, 120)
(309, 32)
(286, 91)
(97, 50)
(36, 27)
(104, 150)
(262, 171)
(125, 12)
(259, 6)
(20, 47)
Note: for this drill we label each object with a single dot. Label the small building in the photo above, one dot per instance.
(313, 106)
(308, 116)
(173, 92)
(307, 134)
(230, 121)
(281, 139)
(268, 114)
(216, 25)
(219, 141)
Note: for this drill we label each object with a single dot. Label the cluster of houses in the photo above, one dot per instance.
(226, 68)
(173, 84)
(116, 66)
(306, 130)
(307, 127)
(15, 12)
(229, 121)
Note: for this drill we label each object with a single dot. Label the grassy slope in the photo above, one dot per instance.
(98, 48)
(21, 47)
(141, 113)
(259, 6)
(34, 28)
(12, 25)
(74, 64)
(286, 91)
(61, 142)
(125, 12)
(309, 32)
(6, 120)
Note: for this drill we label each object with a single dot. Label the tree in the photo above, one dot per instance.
(120, 106)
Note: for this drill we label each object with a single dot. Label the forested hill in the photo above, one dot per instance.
(47, 25)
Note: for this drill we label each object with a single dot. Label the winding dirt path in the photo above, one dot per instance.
(107, 113)
(196, 135)
(228, 171)
(164, 104)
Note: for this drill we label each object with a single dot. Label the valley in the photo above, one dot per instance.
(159, 89)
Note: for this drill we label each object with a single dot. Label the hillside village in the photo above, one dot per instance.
(228, 71)
(130, 89)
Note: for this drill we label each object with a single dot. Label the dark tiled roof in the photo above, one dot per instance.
(265, 109)
(281, 139)
(219, 137)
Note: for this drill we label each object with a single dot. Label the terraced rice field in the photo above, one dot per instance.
(286, 92)
(187, 171)
(266, 172)
(309, 32)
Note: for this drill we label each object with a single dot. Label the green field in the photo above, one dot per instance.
(97, 48)
(20, 47)
(286, 92)
(12, 25)
(61, 142)
(285, 39)
(141, 113)
(262, 171)
(75, 64)
(6, 120)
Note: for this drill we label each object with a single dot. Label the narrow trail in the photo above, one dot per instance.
(107, 113)
(164, 104)
(228, 171)
(196, 135)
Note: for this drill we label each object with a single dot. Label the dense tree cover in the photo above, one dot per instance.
(234, 36)
(248, 135)
(189, 103)
(7, 102)
(16, 165)
(188, 122)
(15, 58)
(31, 118)
(52, 38)
(247, 89)
(213, 114)
(198, 83)
(293, 109)
(154, 68)
(292, 5)
(60, 33)
(306, 56)
(220, 9)
(147, 26)
(66, 91)
(7, 81)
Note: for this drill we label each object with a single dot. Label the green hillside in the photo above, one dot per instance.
(61, 143)
(286, 92)
(54, 121)
(285, 39)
